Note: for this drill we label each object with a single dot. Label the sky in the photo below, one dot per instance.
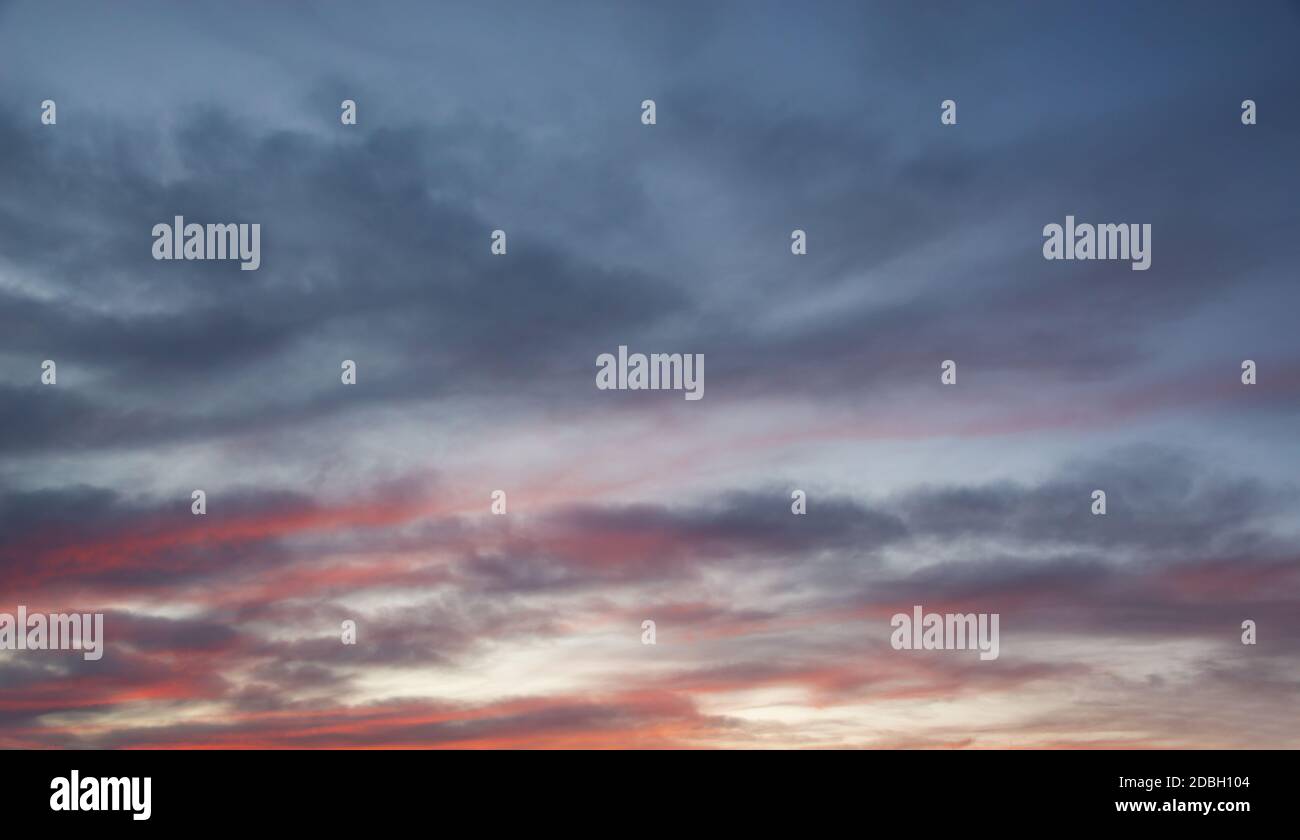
(371, 502)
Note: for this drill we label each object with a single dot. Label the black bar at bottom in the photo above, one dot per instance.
(667, 790)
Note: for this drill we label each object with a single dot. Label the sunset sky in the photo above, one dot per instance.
(476, 372)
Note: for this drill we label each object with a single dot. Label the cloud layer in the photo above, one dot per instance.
(370, 502)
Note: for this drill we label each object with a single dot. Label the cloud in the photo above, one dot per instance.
(369, 502)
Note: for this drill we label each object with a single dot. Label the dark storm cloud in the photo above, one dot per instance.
(1166, 510)
(1015, 312)
(741, 522)
(653, 542)
(1161, 500)
(184, 636)
(367, 247)
(82, 536)
(373, 250)
(38, 418)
